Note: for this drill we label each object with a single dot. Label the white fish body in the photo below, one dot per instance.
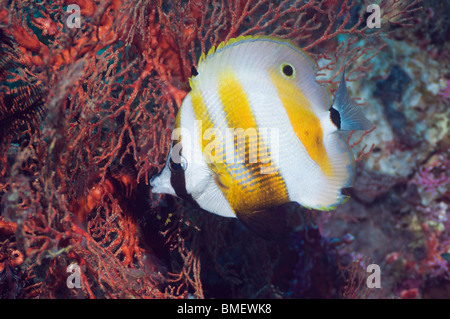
(268, 87)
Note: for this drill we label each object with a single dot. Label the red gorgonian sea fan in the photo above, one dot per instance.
(76, 189)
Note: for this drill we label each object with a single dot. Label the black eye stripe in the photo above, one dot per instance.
(178, 178)
(178, 182)
(179, 166)
(175, 167)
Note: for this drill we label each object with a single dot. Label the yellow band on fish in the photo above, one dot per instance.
(250, 184)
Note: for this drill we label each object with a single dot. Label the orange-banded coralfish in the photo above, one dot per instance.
(257, 130)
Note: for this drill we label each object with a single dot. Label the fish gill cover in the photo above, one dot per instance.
(89, 91)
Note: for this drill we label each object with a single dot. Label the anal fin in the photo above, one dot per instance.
(269, 224)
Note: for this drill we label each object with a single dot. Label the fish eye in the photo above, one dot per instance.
(287, 70)
(178, 166)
